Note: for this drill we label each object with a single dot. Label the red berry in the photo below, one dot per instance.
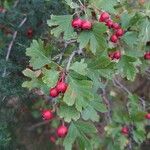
(62, 87)
(52, 139)
(86, 25)
(147, 56)
(104, 16)
(62, 131)
(109, 23)
(114, 38)
(30, 33)
(47, 114)
(115, 26)
(120, 32)
(53, 92)
(115, 55)
(147, 116)
(125, 131)
(77, 23)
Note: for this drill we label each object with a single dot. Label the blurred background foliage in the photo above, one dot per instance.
(15, 100)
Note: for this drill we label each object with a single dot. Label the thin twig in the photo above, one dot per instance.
(16, 3)
(119, 85)
(11, 44)
(37, 125)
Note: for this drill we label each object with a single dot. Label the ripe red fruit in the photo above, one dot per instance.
(114, 38)
(147, 56)
(52, 139)
(61, 87)
(115, 26)
(30, 33)
(77, 23)
(115, 55)
(86, 25)
(120, 32)
(53, 92)
(62, 131)
(109, 23)
(104, 16)
(47, 114)
(147, 116)
(125, 131)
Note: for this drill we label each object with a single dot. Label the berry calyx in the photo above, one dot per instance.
(109, 23)
(62, 131)
(86, 25)
(115, 26)
(54, 92)
(114, 38)
(30, 33)
(147, 56)
(147, 116)
(120, 32)
(61, 87)
(47, 114)
(52, 139)
(104, 16)
(125, 131)
(77, 23)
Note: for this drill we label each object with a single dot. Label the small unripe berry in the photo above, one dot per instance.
(114, 38)
(147, 116)
(77, 23)
(53, 92)
(86, 25)
(61, 87)
(47, 114)
(62, 131)
(125, 131)
(52, 139)
(147, 56)
(120, 32)
(104, 16)
(115, 26)
(109, 23)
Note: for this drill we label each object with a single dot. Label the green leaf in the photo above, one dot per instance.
(68, 113)
(144, 28)
(37, 54)
(34, 82)
(139, 136)
(78, 90)
(127, 67)
(95, 38)
(72, 4)
(50, 77)
(105, 6)
(78, 131)
(62, 24)
(79, 67)
(123, 142)
(89, 113)
(130, 38)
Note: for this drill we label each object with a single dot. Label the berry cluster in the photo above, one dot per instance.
(105, 17)
(61, 131)
(78, 23)
(61, 87)
(115, 55)
(125, 130)
(147, 56)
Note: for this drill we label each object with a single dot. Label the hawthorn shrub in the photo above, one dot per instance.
(100, 44)
(89, 52)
